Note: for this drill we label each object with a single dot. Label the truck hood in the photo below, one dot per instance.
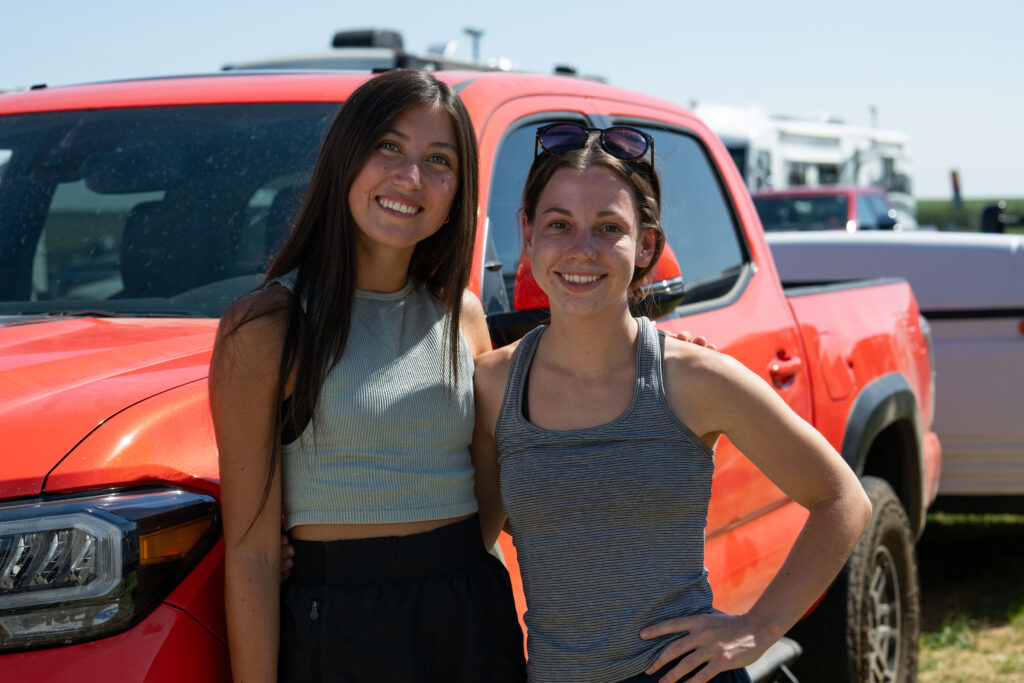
(60, 379)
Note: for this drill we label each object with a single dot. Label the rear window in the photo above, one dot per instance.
(152, 211)
(826, 212)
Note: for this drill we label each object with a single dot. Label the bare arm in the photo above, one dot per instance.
(243, 385)
(473, 324)
(488, 390)
(717, 395)
(483, 450)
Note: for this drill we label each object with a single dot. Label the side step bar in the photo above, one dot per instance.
(773, 666)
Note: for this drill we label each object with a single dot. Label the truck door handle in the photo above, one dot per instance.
(783, 369)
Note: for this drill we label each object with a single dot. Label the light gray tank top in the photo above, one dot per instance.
(388, 443)
(608, 524)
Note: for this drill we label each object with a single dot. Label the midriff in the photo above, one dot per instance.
(342, 532)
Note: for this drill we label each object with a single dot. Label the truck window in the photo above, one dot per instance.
(867, 213)
(157, 210)
(504, 243)
(696, 217)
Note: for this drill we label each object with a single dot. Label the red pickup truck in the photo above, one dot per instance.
(132, 213)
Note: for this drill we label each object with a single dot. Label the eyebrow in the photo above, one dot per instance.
(436, 143)
(565, 212)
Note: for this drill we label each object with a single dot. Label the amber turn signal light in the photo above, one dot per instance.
(172, 543)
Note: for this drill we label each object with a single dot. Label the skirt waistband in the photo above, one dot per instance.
(389, 558)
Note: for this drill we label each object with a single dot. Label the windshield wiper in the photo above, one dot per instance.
(83, 313)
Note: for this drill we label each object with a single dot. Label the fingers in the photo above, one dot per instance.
(700, 340)
(684, 661)
(678, 647)
(287, 549)
(704, 671)
(710, 644)
(287, 553)
(669, 627)
(699, 645)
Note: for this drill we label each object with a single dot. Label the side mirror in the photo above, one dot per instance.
(661, 297)
(666, 290)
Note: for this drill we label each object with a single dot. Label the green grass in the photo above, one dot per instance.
(972, 598)
(942, 214)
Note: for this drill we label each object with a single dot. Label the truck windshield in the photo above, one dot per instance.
(827, 212)
(149, 211)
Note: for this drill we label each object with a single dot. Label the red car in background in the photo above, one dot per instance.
(133, 213)
(829, 207)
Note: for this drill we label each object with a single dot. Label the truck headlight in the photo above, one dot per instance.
(76, 568)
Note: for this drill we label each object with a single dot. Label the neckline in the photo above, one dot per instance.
(642, 331)
(386, 296)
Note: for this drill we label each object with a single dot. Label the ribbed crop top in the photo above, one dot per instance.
(608, 524)
(388, 443)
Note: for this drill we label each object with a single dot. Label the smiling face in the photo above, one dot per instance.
(583, 241)
(403, 193)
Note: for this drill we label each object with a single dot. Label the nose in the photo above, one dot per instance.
(583, 246)
(407, 175)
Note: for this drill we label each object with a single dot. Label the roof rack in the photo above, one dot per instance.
(369, 50)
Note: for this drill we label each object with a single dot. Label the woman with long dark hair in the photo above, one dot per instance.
(341, 393)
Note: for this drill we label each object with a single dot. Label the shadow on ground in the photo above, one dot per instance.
(971, 566)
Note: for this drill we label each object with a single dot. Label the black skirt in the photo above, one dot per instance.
(428, 607)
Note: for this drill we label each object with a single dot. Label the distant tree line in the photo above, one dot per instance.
(943, 215)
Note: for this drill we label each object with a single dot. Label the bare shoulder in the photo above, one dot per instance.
(704, 387)
(252, 331)
(493, 367)
(696, 364)
(489, 380)
(473, 324)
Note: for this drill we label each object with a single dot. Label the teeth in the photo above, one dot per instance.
(580, 279)
(395, 206)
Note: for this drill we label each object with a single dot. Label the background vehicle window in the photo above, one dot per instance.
(881, 205)
(823, 212)
(695, 216)
(867, 214)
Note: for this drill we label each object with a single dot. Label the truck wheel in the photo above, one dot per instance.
(866, 628)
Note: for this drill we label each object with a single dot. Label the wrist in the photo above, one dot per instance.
(767, 629)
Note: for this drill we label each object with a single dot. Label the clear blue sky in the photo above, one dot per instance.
(950, 74)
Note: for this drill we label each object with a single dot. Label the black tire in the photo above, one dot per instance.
(866, 628)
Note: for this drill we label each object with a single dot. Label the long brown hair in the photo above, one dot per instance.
(321, 250)
(638, 174)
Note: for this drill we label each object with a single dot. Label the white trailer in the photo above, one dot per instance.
(778, 152)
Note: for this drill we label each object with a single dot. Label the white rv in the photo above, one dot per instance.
(779, 152)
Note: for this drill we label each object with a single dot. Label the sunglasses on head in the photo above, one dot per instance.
(621, 142)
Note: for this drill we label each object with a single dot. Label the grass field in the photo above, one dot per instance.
(972, 599)
(942, 214)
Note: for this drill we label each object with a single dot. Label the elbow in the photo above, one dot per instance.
(860, 511)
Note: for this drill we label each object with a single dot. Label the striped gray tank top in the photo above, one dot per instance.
(608, 524)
